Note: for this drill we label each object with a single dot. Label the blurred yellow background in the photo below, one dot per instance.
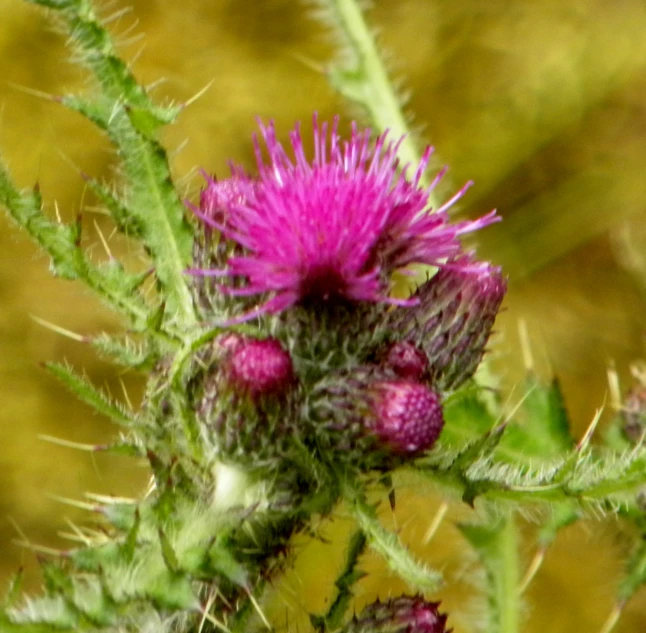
(541, 102)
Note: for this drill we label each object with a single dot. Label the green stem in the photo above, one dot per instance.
(508, 582)
(496, 543)
(366, 82)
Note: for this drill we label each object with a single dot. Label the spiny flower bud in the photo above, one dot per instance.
(242, 394)
(406, 416)
(406, 614)
(369, 417)
(256, 367)
(453, 319)
(219, 195)
(406, 360)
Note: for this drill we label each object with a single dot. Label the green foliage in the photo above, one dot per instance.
(86, 392)
(348, 577)
(199, 550)
(131, 120)
(388, 544)
(62, 242)
(541, 429)
(360, 74)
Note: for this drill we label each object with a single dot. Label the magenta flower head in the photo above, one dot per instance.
(406, 614)
(335, 226)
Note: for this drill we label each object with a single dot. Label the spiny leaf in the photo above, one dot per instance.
(124, 220)
(388, 544)
(61, 242)
(89, 394)
(130, 544)
(561, 515)
(168, 554)
(635, 573)
(541, 429)
(348, 577)
(225, 563)
(362, 77)
(42, 615)
(127, 351)
(13, 593)
(466, 417)
(131, 121)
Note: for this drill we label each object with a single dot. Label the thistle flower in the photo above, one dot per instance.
(405, 614)
(335, 227)
(453, 319)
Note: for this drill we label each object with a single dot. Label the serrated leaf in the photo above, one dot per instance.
(55, 4)
(541, 430)
(168, 554)
(89, 394)
(43, 614)
(13, 592)
(389, 546)
(94, 559)
(92, 602)
(61, 242)
(561, 515)
(126, 351)
(635, 573)
(480, 448)
(122, 516)
(348, 577)
(150, 195)
(122, 217)
(130, 544)
(466, 417)
(56, 579)
(147, 121)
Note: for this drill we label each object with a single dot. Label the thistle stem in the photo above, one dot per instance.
(506, 586)
(496, 543)
(366, 81)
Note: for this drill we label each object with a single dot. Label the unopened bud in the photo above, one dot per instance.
(453, 320)
(400, 615)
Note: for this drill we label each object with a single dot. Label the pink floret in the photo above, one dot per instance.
(336, 226)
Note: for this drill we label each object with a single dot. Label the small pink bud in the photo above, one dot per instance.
(257, 367)
(400, 615)
(221, 195)
(406, 360)
(407, 416)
